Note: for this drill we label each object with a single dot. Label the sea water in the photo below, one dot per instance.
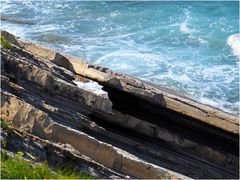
(191, 47)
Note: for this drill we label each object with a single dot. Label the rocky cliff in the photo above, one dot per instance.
(111, 124)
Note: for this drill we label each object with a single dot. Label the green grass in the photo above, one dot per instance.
(5, 43)
(5, 127)
(18, 168)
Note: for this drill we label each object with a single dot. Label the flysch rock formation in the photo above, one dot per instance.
(129, 127)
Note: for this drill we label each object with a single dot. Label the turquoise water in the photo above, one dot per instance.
(192, 47)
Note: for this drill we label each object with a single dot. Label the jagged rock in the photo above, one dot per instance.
(26, 117)
(18, 21)
(52, 38)
(54, 84)
(145, 91)
(136, 128)
(11, 38)
(56, 154)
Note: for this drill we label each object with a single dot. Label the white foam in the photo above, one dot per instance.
(93, 87)
(131, 58)
(232, 108)
(114, 14)
(202, 41)
(209, 102)
(184, 28)
(234, 42)
(184, 78)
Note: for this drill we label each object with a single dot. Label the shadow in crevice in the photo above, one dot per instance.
(178, 123)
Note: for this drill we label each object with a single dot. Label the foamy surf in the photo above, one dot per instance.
(180, 46)
(184, 28)
(184, 25)
(234, 42)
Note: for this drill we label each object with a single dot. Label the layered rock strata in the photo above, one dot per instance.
(56, 154)
(137, 129)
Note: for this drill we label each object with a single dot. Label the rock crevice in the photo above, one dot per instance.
(132, 127)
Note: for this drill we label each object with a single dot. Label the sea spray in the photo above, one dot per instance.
(234, 42)
(177, 45)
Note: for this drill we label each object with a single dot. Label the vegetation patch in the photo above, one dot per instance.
(18, 168)
(5, 125)
(5, 43)
(6, 129)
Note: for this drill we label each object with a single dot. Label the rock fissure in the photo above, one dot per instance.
(130, 126)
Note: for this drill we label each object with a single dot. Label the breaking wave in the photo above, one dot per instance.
(234, 42)
(184, 25)
(184, 28)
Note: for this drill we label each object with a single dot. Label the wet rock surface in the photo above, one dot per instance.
(16, 20)
(128, 128)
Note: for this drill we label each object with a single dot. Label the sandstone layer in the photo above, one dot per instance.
(135, 129)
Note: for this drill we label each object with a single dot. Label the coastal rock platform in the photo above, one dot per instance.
(127, 128)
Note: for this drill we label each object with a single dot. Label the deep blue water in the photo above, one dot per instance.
(192, 47)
